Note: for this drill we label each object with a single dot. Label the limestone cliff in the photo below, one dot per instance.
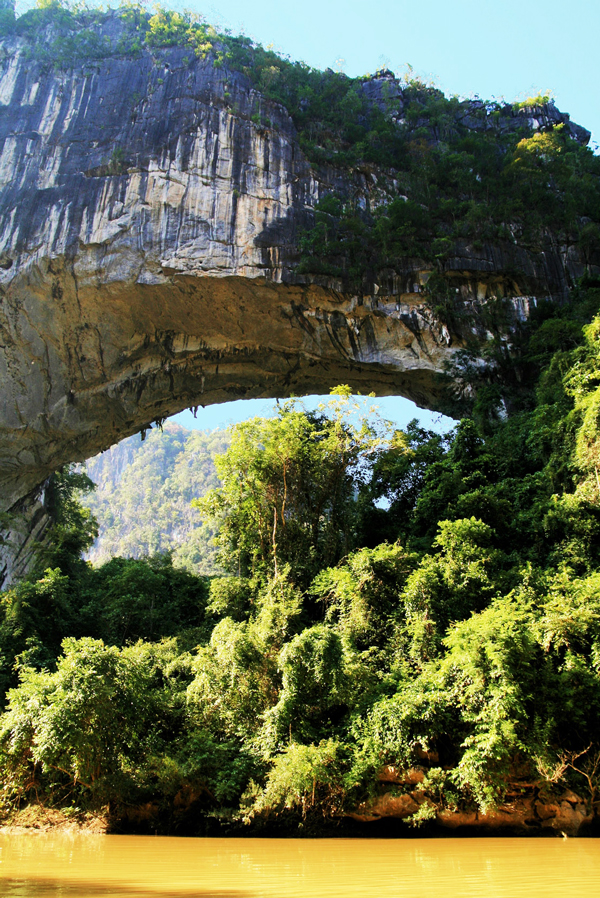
(151, 208)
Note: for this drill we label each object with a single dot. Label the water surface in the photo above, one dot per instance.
(59, 865)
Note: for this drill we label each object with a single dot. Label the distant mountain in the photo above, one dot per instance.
(144, 492)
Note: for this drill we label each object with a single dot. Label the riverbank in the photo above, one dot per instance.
(531, 813)
(35, 817)
(529, 809)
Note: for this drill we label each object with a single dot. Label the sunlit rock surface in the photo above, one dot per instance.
(149, 235)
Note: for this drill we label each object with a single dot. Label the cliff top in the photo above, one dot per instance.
(62, 35)
(441, 169)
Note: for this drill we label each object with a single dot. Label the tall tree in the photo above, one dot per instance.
(290, 486)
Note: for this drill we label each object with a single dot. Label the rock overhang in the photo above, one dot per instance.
(151, 211)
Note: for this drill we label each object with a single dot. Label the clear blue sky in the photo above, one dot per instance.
(400, 411)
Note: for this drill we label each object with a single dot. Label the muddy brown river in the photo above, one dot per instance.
(59, 865)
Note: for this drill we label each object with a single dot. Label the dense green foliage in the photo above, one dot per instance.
(288, 490)
(142, 500)
(512, 187)
(390, 598)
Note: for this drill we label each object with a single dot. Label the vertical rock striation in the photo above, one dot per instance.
(150, 215)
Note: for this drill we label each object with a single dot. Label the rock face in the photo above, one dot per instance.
(150, 210)
(527, 811)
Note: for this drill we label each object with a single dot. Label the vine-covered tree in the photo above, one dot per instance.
(289, 488)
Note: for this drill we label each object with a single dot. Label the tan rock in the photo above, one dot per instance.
(569, 819)
(451, 819)
(410, 777)
(524, 814)
(546, 811)
(386, 805)
(570, 796)
(144, 270)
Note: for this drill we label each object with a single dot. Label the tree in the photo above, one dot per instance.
(289, 489)
(79, 724)
(73, 528)
(7, 16)
(141, 598)
(312, 694)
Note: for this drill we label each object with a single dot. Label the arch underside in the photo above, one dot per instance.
(110, 360)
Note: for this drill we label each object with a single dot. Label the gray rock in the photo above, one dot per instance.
(150, 209)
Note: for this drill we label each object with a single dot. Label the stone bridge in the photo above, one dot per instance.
(148, 262)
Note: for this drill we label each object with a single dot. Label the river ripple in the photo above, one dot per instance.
(59, 865)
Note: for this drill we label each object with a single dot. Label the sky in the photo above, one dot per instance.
(507, 49)
(391, 408)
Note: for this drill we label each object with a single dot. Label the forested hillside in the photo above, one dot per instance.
(395, 624)
(143, 497)
(408, 625)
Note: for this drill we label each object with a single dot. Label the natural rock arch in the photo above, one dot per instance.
(148, 262)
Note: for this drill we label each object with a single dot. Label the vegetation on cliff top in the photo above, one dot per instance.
(403, 599)
(440, 172)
